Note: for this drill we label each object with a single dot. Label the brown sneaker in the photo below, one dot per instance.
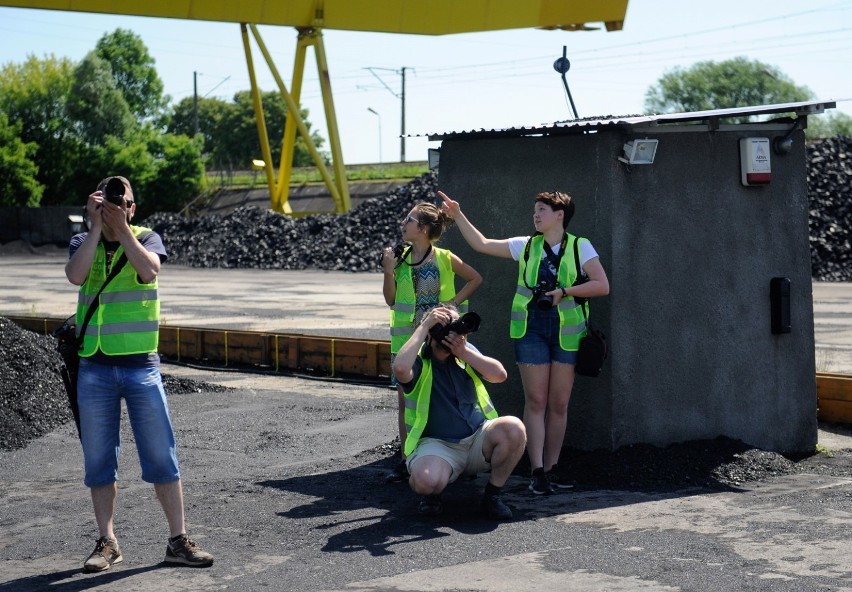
(183, 550)
(105, 554)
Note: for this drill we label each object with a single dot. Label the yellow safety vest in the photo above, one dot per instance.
(403, 309)
(572, 325)
(417, 402)
(128, 314)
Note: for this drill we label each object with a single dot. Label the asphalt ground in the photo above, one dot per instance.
(284, 483)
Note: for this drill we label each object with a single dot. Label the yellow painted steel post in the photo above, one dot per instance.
(258, 112)
(288, 142)
(293, 108)
(331, 120)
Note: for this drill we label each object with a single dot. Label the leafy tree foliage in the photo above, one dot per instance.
(829, 125)
(230, 129)
(89, 120)
(18, 185)
(738, 82)
(134, 72)
(95, 104)
(34, 94)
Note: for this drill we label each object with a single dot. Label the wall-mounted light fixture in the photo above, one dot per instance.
(434, 158)
(639, 151)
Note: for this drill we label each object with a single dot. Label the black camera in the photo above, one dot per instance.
(398, 251)
(467, 323)
(114, 191)
(543, 300)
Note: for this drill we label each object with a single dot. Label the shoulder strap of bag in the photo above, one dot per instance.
(94, 305)
(581, 301)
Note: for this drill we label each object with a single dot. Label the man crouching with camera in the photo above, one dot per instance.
(453, 427)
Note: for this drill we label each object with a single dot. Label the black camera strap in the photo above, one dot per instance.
(579, 279)
(94, 305)
(548, 251)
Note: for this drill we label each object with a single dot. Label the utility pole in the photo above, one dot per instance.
(402, 125)
(195, 102)
(401, 97)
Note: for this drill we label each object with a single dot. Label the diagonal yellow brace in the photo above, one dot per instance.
(258, 113)
(337, 188)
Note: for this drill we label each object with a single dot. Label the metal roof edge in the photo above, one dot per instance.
(800, 108)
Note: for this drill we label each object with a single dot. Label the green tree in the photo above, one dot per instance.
(829, 125)
(230, 129)
(18, 184)
(134, 72)
(95, 104)
(34, 94)
(211, 111)
(738, 82)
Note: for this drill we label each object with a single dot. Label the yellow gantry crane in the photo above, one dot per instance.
(310, 17)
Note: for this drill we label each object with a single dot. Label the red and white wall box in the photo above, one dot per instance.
(755, 168)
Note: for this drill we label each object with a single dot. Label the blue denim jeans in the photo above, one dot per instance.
(540, 344)
(100, 390)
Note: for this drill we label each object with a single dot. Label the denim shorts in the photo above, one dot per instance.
(100, 389)
(540, 344)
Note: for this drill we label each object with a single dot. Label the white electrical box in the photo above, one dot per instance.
(755, 168)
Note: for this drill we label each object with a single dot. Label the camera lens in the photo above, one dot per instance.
(114, 191)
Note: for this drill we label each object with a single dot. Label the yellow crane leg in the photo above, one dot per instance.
(337, 187)
(344, 205)
(258, 112)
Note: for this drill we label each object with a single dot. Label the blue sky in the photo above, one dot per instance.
(472, 81)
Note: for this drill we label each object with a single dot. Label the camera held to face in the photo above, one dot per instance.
(467, 323)
(114, 191)
(398, 251)
(543, 300)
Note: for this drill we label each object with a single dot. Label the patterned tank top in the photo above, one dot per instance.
(427, 289)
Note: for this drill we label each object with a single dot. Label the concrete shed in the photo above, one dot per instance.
(690, 250)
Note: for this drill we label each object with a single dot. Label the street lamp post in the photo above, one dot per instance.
(381, 163)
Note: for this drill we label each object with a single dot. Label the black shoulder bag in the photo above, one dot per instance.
(69, 344)
(593, 348)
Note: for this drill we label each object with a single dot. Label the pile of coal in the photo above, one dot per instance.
(256, 238)
(33, 400)
(830, 204)
(32, 397)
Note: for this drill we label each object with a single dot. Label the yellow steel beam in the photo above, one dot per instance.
(294, 114)
(258, 112)
(426, 17)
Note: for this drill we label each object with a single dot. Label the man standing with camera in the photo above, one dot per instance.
(453, 428)
(116, 266)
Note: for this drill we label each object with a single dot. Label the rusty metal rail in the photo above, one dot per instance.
(279, 352)
(337, 357)
(834, 397)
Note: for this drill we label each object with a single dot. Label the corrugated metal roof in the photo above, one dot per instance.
(610, 121)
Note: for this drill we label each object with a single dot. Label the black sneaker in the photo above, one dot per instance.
(184, 551)
(539, 484)
(430, 505)
(557, 480)
(399, 474)
(106, 554)
(495, 508)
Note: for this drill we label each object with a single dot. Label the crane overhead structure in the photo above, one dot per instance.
(310, 17)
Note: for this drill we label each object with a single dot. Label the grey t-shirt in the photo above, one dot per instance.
(454, 412)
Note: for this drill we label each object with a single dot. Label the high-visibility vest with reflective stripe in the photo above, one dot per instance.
(417, 403)
(402, 311)
(572, 324)
(127, 320)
